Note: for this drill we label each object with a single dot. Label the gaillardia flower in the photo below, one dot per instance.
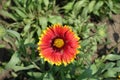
(58, 45)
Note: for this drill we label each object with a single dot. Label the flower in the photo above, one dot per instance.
(58, 45)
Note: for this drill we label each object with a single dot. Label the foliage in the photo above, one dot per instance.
(29, 17)
(22, 22)
(85, 8)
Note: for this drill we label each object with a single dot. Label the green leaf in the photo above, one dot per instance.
(14, 64)
(6, 4)
(9, 40)
(35, 74)
(68, 6)
(19, 12)
(13, 34)
(46, 2)
(78, 6)
(85, 43)
(85, 12)
(19, 68)
(29, 39)
(17, 3)
(43, 22)
(98, 5)
(28, 2)
(48, 76)
(6, 14)
(24, 2)
(112, 57)
(30, 5)
(94, 68)
(91, 5)
(55, 19)
(116, 69)
(109, 73)
(116, 10)
(39, 32)
(27, 27)
(108, 66)
(86, 74)
(110, 4)
(2, 31)
(13, 61)
(118, 63)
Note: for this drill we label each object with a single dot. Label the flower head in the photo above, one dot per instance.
(58, 45)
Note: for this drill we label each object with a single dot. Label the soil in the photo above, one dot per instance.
(113, 33)
(4, 52)
(113, 36)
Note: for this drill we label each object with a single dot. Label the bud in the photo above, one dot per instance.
(102, 32)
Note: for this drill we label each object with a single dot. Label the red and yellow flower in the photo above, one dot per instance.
(58, 45)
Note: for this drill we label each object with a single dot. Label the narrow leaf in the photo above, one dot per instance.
(13, 61)
(14, 34)
(91, 5)
(43, 22)
(7, 15)
(112, 57)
